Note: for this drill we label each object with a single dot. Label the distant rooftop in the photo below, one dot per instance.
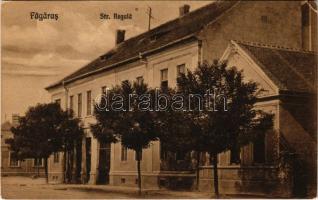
(291, 69)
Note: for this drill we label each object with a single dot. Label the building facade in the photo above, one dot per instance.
(157, 56)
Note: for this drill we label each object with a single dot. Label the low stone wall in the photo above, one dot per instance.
(245, 180)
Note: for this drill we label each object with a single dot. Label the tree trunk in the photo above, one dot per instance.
(69, 164)
(198, 171)
(37, 167)
(215, 174)
(46, 170)
(64, 166)
(74, 164)
(139, 173)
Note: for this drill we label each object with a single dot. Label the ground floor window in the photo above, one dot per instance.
(123, 153)
(181, 155)
(14, 162)
(235, 155)
(56, 158)
(139, 154)
(37, 162)
(259, 149)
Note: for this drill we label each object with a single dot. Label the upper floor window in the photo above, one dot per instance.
(89, 102)
(181, 70)
(56, 157)
(58, 101)
(71, 103)
(104, 90)
(164, 78)
(79, 105)
(13, 161)
(123, 153)
(140, 80)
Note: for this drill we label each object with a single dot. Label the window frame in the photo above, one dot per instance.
(178, 71)
(89, 103)
(140, 155)
(71, 103)
(123, 153)
(164, 82)
(10, 159)
(139, 80)
(42, 162)
(56, 157)
(79, 104)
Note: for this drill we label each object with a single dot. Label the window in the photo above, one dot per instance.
(305, 10)
(164, 78)
(181, 70)
(163, 153)
(37, 162)
(71, 103)
(104, 90)
(235, 155)
(123, 153)
(259, 149)
(79, 105)
(89, 103)
(13, 161)
(140, 80)
(180, 155)
(125, 82)
(58, 101)
(56, 157)
(139, 154)
(264, 19)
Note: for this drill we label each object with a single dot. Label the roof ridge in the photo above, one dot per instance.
(271, 46)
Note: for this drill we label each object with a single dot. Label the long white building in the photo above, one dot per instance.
(268, 28)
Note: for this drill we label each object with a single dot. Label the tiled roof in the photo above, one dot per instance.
(166, 34)
(290, 69)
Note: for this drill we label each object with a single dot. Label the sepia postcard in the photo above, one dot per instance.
(159, 99)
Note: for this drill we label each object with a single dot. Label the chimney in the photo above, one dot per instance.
(120, 36)
(183, 10)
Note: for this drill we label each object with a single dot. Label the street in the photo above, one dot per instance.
(27, 188)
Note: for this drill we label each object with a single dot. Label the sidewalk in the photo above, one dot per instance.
(28, 188)
(133, 191)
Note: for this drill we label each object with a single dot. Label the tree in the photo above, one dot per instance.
(178, 131)
(71, 133)
(106, 120)
(228, 118)
(41, 132)
(136, 129)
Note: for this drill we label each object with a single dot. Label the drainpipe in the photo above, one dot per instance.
(64, 150)
(200, 53)
(65, 94)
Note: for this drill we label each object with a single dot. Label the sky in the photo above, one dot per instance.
(36, 53)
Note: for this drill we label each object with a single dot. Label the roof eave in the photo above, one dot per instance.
(109, 67)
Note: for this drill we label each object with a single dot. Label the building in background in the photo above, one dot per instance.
(11, 166)
(159, 55)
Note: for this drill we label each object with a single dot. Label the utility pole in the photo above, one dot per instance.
(149, 16)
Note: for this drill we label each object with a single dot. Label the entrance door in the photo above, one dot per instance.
(88, 157)
(104, 163)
